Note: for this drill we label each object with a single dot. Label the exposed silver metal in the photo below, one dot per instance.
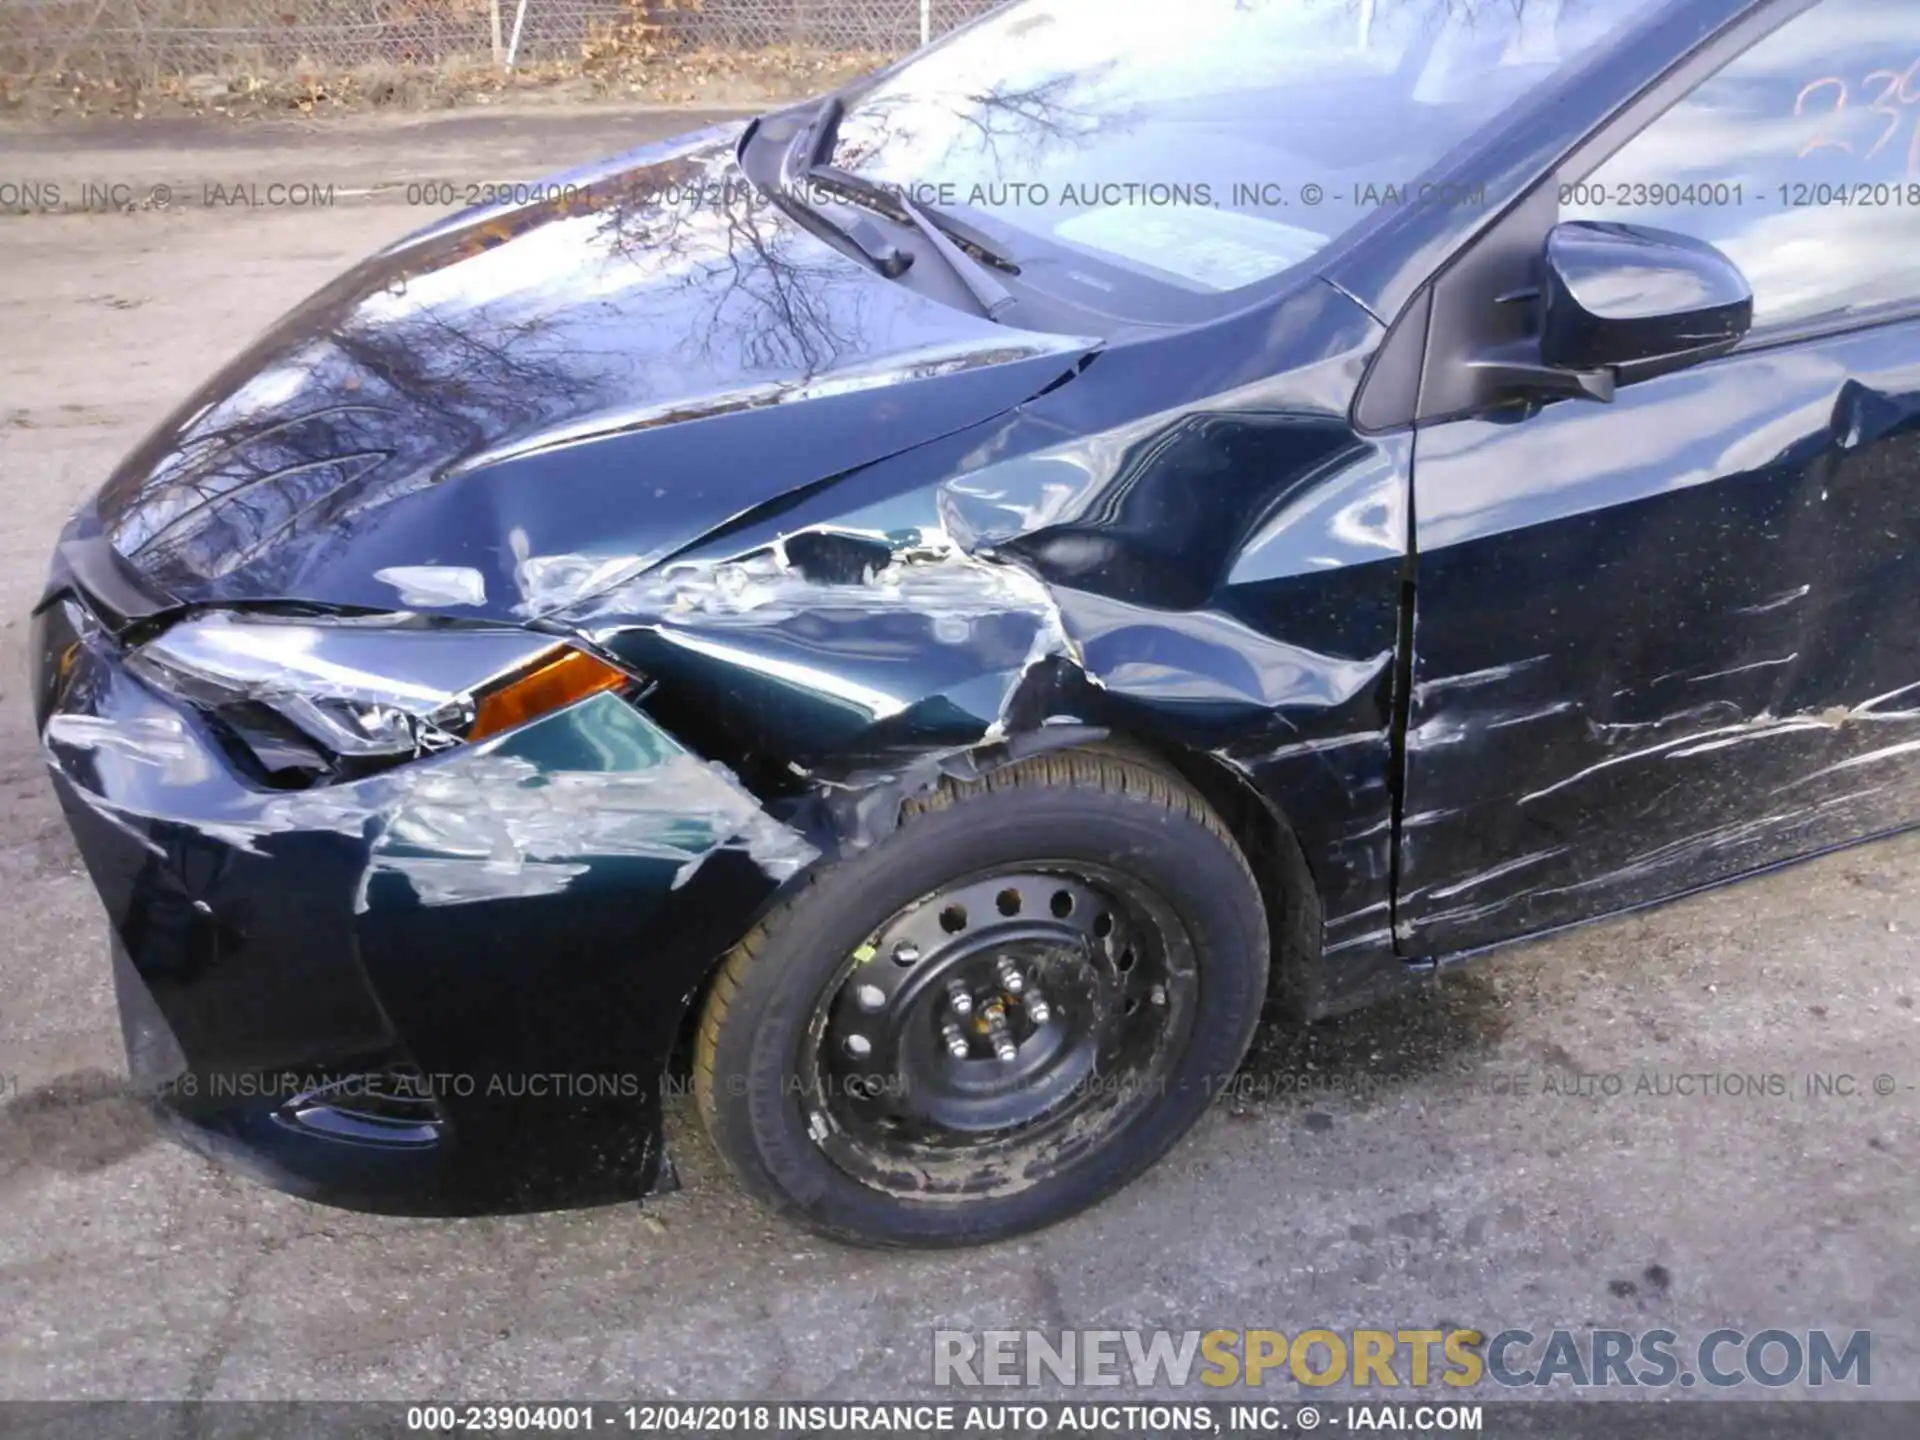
(858, 1046)
(1038, 1010)
(959, 999)
(1010, 977)
(870, 998)
(997, 1032)
(957, 1045)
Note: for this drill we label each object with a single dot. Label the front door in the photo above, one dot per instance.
(1676, 638)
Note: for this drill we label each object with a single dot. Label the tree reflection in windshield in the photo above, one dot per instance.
(1213, 143)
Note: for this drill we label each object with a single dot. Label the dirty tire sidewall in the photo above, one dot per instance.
(1133, 821)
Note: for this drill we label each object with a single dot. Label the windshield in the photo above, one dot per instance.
(1203, 145)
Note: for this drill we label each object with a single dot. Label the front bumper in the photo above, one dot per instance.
(448, 988)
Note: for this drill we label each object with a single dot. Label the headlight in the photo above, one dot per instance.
(364, 689)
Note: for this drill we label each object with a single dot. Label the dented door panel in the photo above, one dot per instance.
(1663, 642)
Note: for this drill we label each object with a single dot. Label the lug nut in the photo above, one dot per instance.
(957, 1045)
(1010, 976)
(859, 1047)
(959, 999)
(870, 997)
(1038, 1010)
(1003, 1047)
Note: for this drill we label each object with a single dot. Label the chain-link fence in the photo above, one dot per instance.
(149, 37)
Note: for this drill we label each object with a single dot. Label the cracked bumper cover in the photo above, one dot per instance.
(450, 987)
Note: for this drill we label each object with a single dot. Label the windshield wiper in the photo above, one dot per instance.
(992, 296)
(810, 158)
(899, 205)
(887, 258)
(814, 145)
(862, 236)
(988, 293)
(970, 255)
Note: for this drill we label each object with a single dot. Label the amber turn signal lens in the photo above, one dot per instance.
(554, 682)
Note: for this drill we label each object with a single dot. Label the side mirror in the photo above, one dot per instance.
(1638, 301)
(1622, 303)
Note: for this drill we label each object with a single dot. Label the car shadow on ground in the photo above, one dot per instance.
(74, 1124)
(1371, 1055)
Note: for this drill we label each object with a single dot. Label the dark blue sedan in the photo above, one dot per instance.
(928, 611)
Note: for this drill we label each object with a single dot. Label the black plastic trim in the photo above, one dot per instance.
(1390, 392)
(1469, 317)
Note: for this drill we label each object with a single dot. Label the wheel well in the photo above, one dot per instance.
(1286, 880)
(1287, 887)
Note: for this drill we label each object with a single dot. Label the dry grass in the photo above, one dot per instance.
(680, 77)
(633, 59)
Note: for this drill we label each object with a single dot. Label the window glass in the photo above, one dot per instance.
(1206, 145)
(1800, 160)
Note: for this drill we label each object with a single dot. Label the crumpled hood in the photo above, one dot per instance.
(504, 410)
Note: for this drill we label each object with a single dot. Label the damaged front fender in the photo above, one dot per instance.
(1216, 579)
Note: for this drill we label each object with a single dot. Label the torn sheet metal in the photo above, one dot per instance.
(875, 634)
(492, 821)
(159, 742)
(436, 586)
(514, 823)
(843, 632)
(827, 572)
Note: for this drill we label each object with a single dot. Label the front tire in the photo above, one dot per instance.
(996, 1017)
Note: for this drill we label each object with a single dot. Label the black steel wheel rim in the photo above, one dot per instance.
(999, 1029)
